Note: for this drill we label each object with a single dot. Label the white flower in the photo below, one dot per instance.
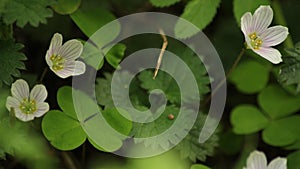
(258, 160)
(61, 58)
(259, 37)
(27, 105)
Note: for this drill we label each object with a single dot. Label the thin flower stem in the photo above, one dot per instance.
(162, 51)
(280, 19)
(68, 160)
(237, 60)
(43, 75)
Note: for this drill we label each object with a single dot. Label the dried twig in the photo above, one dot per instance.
(163, 48)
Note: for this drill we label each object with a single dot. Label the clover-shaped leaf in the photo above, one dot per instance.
(250, 77)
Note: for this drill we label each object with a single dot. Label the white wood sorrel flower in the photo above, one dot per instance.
(27, 105)
(61, 58)
(259, 37)
(258, 160)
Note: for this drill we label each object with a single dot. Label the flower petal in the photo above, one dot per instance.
(271, 54)
(12, 102)
(257, 160)
(38, 93)
(23, 117)
(71, 50)
(262, 18)
(246, 23)
(278, 163)
(20, 89)
(55, 43)
(42, 108)
(274, 35)
(73, 68)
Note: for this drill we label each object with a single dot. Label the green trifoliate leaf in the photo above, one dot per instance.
(293, 160)
(163, 3)
(277, 103)
(250, 77)
(10, 60)
(27, 11)
(247, 119)
(198, 12)
(240, 7)
(283, 132)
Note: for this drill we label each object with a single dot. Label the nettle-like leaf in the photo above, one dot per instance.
(289, 74)
(190, 147)
(275, 118)
(10, 60)
(240, 7)
(169, 86)
(198, 12)
(27, 11)
(163, 3)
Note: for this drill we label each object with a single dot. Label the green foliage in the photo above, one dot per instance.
(168, 160)
(92, 56)
(24, 143)
(67, 133)
(277, 102)
(11, 60)
(240, 7)
(65, 7)
(163, 3)
(115, 54)
(190, 147)
(4, 93)
(289, 74)
(247, 119)
(199, 166)
(26, 11)
(198, 12)
(250, 77)
(274, 118)
(293, 160)
(90, 17)
(117, 121)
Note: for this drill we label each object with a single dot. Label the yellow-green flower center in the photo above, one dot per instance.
(255, 41)
(57, 62)
(28, 106)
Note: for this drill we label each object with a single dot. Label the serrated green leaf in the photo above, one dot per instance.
(199, 166)
(163, 3)
(277, 103)
(115, 55)
(167, 83)
(198, 12)
(289, 73)
(22, 142)
(250, 77)
(190, 147)
(65, 7)
(27, 11)
(11, 60)
(293, 160)
(240, 7)
(247, 119)
(282, 132)
(91, 17)
(63, 132)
